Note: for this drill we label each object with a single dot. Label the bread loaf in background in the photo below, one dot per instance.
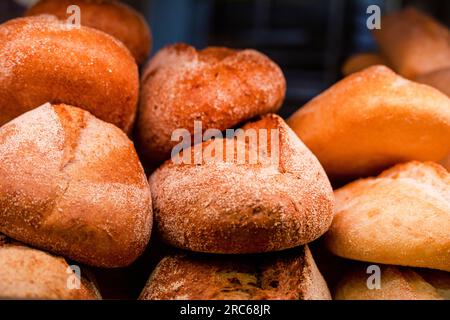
(396, 283)
(231, 206)
(290, 275)
(361, 61)
(27, 273)
(112, 17)
(45, 60)
(439, 79)
(220, 87)
(371, 120)
(401, 217)
(413, 43)
(73, 185)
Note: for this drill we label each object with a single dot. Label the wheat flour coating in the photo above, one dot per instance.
(372, 120)
(45, 60)
(233, 206)
(289, 275)
(27, 273)
(112, 17)
(73, 185)
(402, 217)
(218, 86)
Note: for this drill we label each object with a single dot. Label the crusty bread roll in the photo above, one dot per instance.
(371, 120)
(218, 86)
(413, 42)
(43, 59)
(73, 185)
(289, 275)
(396, 283)
(439, 79)
(402, 217)
(224, 205)
(113, 17)
(27, 273)
(361, 61)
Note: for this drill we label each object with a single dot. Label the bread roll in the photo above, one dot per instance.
(402, 217)
(374, 119)
(224, 205)
(73, 185)
(446, 162)
(289, 275)
(439, 79)
(396, 283)
(45, 60)
(361, 61)
(112, 17)
(27, 273)
(218, 86)
(413, 43)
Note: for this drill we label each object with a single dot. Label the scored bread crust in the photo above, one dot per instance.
(396, 283)
(112, 17)
(73, 185)
(372, 120)
(439, 79)
(230, 207)
(45, 60)
(218, 86)
(288, 275)
(402, 217)
(27, 273)
(413, 42)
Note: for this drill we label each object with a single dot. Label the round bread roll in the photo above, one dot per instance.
(289, 275)
(45, 60)
(374, 119)
(402, 217)
(439, 79)
(413, 43)
(361, 61)
(73, 185)
(218, 86)
(235, 203)
(112, 17)
(27, 273)
(396, 283)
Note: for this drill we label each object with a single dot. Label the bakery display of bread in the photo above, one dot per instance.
(105, 15)
(413, 43)
(45, 60)
(27, 273)
(439, 79)
(220, 87)
(361, 61)
(291, 275)
(221, 206)
(371, 120)
(396, 283)
(73, 185)
(401, 217)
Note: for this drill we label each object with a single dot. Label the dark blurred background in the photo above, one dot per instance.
(309, 39)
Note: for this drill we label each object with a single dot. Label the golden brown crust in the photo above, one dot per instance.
(113, 17)
(289, 275)
(61, 64)
(73, 185)
(235, 207)
(27, 273)
(439, 79)
(218, 86)
(361, 61)
(402, 217)
(396, 283)
(374, 119)
(413, 42)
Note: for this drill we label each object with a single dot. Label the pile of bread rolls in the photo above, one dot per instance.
(74, 193)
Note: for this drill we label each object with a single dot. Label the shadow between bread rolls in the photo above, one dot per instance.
(223, 205)
(289, 275)
(73, 185)
(59, 63)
